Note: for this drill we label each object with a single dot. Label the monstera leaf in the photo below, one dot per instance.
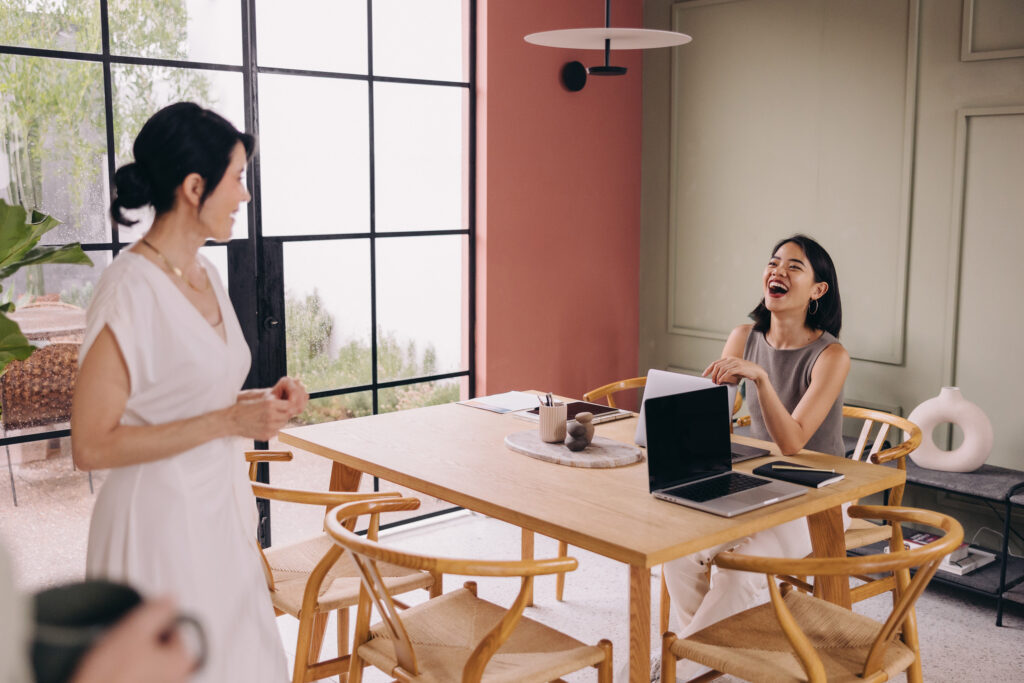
(19, 238)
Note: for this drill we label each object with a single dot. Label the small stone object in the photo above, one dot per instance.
(576, 437)
(586, 419)
(580, 432)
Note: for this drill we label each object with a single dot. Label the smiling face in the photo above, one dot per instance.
(788, 280)
(217, 213)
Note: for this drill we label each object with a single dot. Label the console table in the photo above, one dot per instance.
(999, 485)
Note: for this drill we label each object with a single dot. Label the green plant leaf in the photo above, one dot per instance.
(65, 253)
(13, 344)
(17, 235)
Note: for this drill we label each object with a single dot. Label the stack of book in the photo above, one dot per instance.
(963, 560)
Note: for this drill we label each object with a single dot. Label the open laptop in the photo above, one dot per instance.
(663, 383)
(688, 457)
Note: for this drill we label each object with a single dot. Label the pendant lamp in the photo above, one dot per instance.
(574, 74)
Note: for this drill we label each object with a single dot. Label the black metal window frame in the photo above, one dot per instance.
(250, 71)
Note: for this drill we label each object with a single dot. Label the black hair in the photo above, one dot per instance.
(180, 139)
(828, 314)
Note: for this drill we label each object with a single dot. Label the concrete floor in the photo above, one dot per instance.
(46, 536)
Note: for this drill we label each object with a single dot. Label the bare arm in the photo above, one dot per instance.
(789, 432)
(99, 441)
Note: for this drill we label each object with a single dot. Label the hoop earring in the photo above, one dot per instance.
(816, 306)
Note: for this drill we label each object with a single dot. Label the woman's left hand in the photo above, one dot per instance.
(732, 370)
(291, 390)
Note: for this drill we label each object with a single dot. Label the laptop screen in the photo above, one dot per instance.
(687, 437)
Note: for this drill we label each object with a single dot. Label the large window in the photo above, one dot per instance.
(353, 268)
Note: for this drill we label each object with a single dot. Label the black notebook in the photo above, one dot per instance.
(601, 413)
(795, 476)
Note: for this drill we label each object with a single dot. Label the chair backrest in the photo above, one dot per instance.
(876, 454)
(899, 560)
(38, 390)
(608, 391)
(366, 553)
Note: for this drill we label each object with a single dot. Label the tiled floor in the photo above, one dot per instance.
(46, 534)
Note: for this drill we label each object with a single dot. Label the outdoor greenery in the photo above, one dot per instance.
(52, 125)
(310, 330)
(19, 238)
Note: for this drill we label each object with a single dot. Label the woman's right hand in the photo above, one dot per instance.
(259, 415)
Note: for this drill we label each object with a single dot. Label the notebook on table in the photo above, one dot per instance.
(798, 474)
(689, 457)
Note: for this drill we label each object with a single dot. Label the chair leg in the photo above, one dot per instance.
(10, 471)
(527, 554)
(563, 551)
(668, 660)
(301, 649)
(914, 674)
(604, 669)
(343, 640)
(316, 643)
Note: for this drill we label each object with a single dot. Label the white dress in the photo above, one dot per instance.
(184, 525)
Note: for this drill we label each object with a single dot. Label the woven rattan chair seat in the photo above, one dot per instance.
(292, 564)
(445, 630)
(752, 646)
(861, 532)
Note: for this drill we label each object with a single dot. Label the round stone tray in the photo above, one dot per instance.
(602, 452)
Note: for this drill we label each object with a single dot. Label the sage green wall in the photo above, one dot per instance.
(893, 130)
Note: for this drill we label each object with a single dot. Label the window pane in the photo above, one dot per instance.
(141, 91)
(321, 35)
(420, 39)
(204, 31)
(341, 407)
(421, 288)
(314, 155)
(419, 133)
(72, 25)
(51, 298)
(411, 396)
(53, 145)
(327, 312)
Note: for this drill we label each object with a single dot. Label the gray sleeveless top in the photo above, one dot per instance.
(789, 371)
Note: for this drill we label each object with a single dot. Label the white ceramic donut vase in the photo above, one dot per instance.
(951, 406)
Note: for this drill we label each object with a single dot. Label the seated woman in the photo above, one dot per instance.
(795, 368)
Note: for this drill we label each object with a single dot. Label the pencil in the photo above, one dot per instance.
(797, 468)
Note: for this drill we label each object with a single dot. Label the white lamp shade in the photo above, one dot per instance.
(621, 38)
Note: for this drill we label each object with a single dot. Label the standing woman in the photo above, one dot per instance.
(795, 368)
(158, 399)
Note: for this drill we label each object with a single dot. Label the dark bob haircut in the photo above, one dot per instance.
(179, 139)
(828, 314)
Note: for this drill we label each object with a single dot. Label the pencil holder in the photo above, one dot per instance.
(552, 423)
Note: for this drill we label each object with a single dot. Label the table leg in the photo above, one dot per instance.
(344, 478)
(639, 624)
(827, 540)
(528, 555)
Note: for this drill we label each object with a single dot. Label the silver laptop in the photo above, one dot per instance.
(688, 457)
(662, 383)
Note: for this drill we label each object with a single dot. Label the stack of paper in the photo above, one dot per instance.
(503, 403)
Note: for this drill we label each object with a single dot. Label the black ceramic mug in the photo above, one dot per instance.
(70, 619)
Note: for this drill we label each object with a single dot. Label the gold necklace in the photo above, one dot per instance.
(176, 270)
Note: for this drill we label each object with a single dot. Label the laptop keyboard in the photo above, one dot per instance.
(716, 487)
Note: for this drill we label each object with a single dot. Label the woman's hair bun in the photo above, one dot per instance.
(132, 189)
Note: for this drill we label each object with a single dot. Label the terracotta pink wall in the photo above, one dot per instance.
(558, 204)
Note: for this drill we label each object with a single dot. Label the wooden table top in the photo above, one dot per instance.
(457, 453)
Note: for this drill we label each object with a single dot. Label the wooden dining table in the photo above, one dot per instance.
(457, 453)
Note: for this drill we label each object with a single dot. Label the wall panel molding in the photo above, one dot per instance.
(892, 319)
(970, 25)
(957, 229)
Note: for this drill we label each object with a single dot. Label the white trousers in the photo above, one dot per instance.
(698, 602)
